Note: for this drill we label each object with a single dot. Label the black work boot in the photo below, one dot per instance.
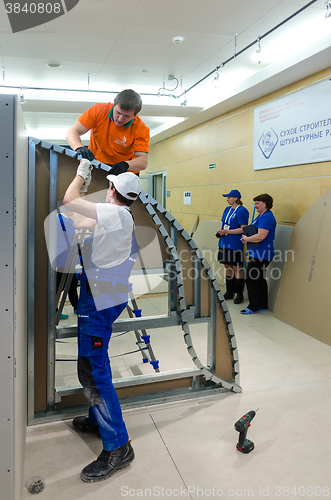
(229, 283)
(82, 424)
(107, 463)
(239, 288)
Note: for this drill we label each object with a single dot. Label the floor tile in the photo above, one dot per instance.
(187, 449)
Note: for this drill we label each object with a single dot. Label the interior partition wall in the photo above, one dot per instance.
(13, 295)
(193, 298)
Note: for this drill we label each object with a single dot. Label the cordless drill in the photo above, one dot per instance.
(245, 445)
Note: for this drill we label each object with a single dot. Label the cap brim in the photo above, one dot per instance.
(111, 177)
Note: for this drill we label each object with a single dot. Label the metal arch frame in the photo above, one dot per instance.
(217, 299)
(180, 313)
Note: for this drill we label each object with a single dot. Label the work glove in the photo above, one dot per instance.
(119, 168)
(85, 153)
(84, 169)
(86, 183)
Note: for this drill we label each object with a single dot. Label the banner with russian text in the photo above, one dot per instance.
(294, 129)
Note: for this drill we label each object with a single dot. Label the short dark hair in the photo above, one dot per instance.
(129, 100)
(122, 198)
(266, 198)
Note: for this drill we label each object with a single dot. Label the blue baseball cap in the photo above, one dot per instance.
(235, 193)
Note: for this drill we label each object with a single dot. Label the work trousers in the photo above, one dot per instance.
(72, 292)
(256, 284)
(94, 371)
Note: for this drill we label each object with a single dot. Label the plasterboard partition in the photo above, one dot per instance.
(13, 318)
(20, 298)
(52, 169)
(67, 170)
(304, 299)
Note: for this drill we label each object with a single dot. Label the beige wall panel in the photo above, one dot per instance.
(185, 220)
(325, 183)
(173, 150)
(292, 172)
(234, 132)
(326, 168)
(231, 167)
(212, 138)
(227, 141)
(292, 198)
(188, 173)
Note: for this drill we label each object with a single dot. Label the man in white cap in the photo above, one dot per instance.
(103, 297)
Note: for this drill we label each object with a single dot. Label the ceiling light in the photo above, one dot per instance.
(184, 103)
(328, 9)
(257, 56)
(216, 80)
(21, 99)
(54, 64)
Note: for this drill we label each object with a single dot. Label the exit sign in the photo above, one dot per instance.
(212, 165)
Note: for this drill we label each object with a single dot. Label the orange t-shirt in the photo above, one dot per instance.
(111, 143)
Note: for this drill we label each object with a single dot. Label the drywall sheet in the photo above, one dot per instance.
(304, 298)
(13, 317)
(276, 267)
(7, 112)
(20, 299)
(204, 237)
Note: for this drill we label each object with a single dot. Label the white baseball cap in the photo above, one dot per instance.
(127, 184)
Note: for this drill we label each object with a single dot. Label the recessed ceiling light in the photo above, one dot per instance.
(54, 64)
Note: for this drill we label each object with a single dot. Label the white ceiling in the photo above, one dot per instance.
(110, 45)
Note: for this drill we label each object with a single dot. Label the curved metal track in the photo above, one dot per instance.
(223, 320)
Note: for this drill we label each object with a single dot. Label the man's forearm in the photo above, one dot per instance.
(137, 164)
(73, 190)
(76, 202)
(74, 139)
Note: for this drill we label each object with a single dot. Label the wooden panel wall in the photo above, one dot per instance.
(228, 142)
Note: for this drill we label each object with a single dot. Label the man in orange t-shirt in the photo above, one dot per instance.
(118, 136)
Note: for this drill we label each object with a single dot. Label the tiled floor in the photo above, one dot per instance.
(187, 449)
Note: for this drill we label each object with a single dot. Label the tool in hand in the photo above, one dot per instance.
(245, 445)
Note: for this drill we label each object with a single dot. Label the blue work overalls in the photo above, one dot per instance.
(96, 315)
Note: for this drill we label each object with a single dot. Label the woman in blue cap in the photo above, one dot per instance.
(230, 252)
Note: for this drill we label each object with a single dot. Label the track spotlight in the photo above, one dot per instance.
(216, 80)
(257, 56)
(21, 98)
(184, 103)
(328, 9)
